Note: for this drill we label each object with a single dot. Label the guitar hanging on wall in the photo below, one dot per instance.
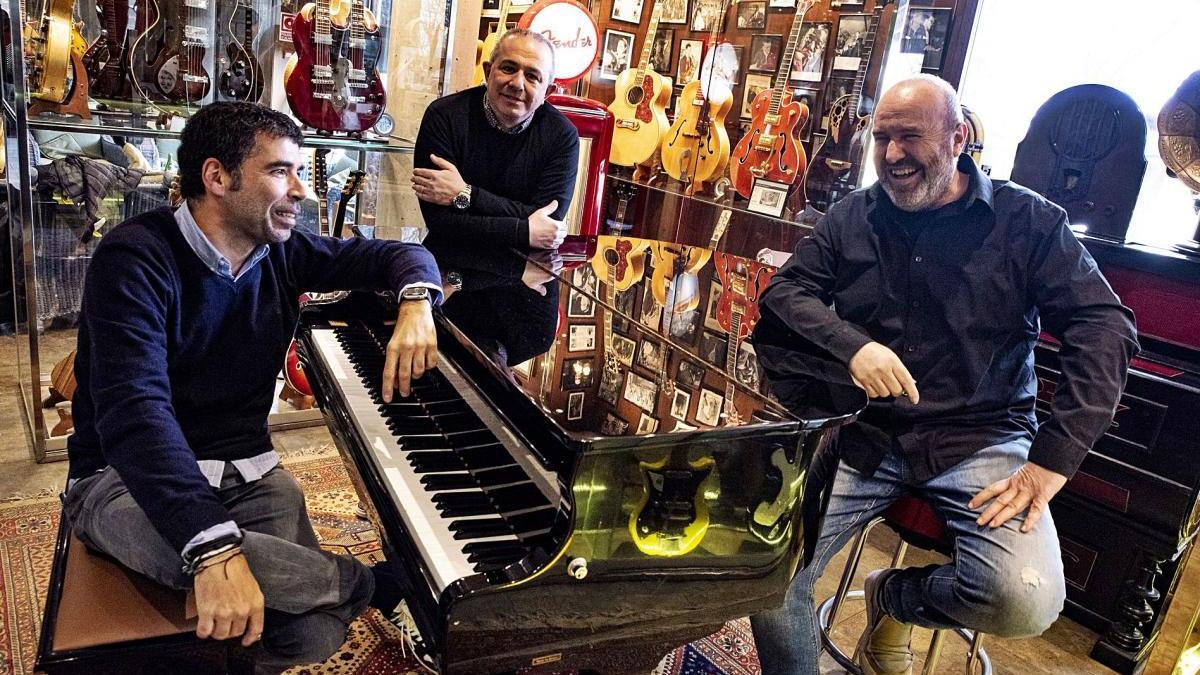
(179, 72)
(350, 189)
(49, 48)
(640, 106)
(490, 42)
(771, 149)
(241, 75)
(107, 59)
(742, 284)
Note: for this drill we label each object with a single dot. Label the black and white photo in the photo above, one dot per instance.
(746, 367)
(690, 374)
(579, 305)
(673, 11)
(584, 278)
(623, 347)
(577, 374)
(613, 425)
(581, 338)
(710, 310)
(809, 98)
(752, 14)
(682, 325)
(706, 14)
(680, 402)
(629, 11)
(764, 53)
(650, 355)
(851, 41)
(660, 51)
(651, 311)
(641, 392)
(647, 424)
(610, 385)
(925, 34)
(712, 349)
(575, 405)
(690, 54)
(768, 197)
(754, 85)
(808, 63)
(708, 411)
(617, 48)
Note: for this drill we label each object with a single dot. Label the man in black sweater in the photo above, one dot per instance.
(185, 320)
(493, 164)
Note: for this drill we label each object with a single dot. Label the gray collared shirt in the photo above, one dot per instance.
(209, 255)
(495, 121)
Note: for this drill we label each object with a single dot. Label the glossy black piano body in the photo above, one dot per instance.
(629, 542)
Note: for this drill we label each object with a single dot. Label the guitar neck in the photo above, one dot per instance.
(248, 26)
(651, 30)
(731, 348)
(789, 54)
(864, 63)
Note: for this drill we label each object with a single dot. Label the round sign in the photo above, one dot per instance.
(572, 30)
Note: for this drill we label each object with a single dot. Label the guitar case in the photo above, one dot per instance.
(1085, 151)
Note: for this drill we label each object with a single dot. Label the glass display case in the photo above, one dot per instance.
(103, 92)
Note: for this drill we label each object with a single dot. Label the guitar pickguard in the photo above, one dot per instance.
(644, 113)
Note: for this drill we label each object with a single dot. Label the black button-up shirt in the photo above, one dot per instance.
(960, 294)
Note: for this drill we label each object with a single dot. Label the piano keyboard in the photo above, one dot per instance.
(471, 494)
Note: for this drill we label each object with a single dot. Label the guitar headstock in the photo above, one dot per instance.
(354, 183)
(320, 173)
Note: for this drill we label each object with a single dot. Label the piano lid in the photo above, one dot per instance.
(642, 339)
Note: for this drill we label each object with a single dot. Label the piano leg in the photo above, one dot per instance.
(1121, 647)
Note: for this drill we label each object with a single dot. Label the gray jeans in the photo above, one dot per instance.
(311, 596)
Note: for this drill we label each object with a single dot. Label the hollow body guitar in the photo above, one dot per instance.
(640, 107)
(178, 72)
(742, 284)
(331, 81)
(241, 76)
(51, 72)
(488, 46)
(771, 149)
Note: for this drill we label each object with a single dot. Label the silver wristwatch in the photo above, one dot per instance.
(414, 293)
(462, 200)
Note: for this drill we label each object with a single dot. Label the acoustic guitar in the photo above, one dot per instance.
(836, 168)
(178, 72)
(696, 148)
(670, 261)
(49, 47)
(640, 106)
(742, 284)
(771, 149)
(241, 77)
(620, 259)
(488, 46)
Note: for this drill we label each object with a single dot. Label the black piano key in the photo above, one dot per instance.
(484, 456)
(478, 528)
(437, 482)
(447, 407)
(517, 497)
(463, 504)
(500, 475)
(469, 439)
(430, 442)
(435, 462)
(458, 422)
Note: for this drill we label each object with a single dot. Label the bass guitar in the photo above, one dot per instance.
(836, 169)
(241, 76)
(107, 59)
(640, 106)
(178, 71)
(742, 284)
(695, 149)
(771, 149)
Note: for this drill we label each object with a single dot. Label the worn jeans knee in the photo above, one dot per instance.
(291, 639)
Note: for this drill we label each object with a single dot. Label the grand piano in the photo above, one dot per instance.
(590, 478)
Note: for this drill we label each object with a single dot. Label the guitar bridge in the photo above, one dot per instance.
(357, 43)
(629, 124)
(197, 4)
(323, 39)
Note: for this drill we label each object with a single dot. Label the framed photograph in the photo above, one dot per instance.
(746, 368)
(575, 405)
(577, 374)
(584, 277)
(681, 401)
(710, 310)
(682, 325)
(712, 349)
(691, 53)
(651, 355)
(613, 425)
(610, 385)
(835, 89)
(706, 14)
(581, 338)
(764, 53)
(662, 50)
(925, 33)
(623, 347)
(673, 11)
(722, 64)
(808, 63)
(647, 424)
(690, 374)
(754, 85)
(579, 305)
(629, 11)
(641, 392)
(708, 411)
(491, 8)
(680, 426)
(768, 197)
(849, 4)
(651, 310)
(625, 304)
(617, 48)
(851, 37)
(808, 97)
(752, 14)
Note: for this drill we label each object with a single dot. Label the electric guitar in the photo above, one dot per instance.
(107, 59)
(49, 49)
(974, 144)
(671, 517)
(321, 188)
(241, 75)
(719, 228)
(179, 72)
(354, 184)
(640, 106)
(670, 261)
(742, 284)
(836, 169)
(626, 192)
(771, 149)
(489, 43)
(695, 149)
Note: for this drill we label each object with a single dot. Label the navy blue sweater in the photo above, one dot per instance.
(176, 363)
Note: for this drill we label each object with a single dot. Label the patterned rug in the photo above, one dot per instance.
(27, 533)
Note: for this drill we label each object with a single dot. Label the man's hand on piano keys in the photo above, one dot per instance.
(412, 349)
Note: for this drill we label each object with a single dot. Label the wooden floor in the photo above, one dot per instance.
(1063, 650)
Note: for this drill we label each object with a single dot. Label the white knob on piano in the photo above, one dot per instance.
(577, 568)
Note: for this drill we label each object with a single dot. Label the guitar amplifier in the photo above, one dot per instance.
(1085, 151)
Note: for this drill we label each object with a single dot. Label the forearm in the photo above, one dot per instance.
(447, 226)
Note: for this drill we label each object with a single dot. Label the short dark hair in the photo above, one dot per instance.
(226, 132)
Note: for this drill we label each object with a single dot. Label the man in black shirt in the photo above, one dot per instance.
(942, 279)
(492, 163)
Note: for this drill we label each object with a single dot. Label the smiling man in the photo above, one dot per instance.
(185, 320)
(940, 281)
(493, 164)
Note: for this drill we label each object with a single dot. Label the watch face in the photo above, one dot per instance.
(461, 201)
(385, 124)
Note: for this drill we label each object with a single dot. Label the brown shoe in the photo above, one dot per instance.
(885, 646)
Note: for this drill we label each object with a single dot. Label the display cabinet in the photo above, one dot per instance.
(94, 117)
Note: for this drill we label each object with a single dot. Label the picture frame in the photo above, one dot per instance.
(681, 426)
(613, 425)
(839, 4)
(755, 83)
(575, 405)
(581, 338)
(690, 375)
(710, 309)
(524, 369)
(723, 64)
(577, 374)
(712, 348)
(836, 88)
(745, 368)
(705, 15)
(629, 11)
(650, 355)
(925, 34)
(691, 55)
(708, 410)
(651, 313)
(751, 15)
(584, 277)
(610, 385)
(681, 402)
(808, 62)
(662, 51)
(624, 348)
(781, 4)
(768, 197)
(811, 98)
(641, 392)
(625, 302)
(646, 425)
(764, 53)
(682, 325)
(491, 8)
(851, 40)
(674, 11)
(580, 305)
(618, 50)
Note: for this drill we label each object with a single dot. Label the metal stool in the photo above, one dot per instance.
(917, 523)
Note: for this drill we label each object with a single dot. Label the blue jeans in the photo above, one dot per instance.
(1002, 581)
(311, 596)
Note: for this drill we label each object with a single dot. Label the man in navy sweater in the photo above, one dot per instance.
(493, 164)
(185, 320)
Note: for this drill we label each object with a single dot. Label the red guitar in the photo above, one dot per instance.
(742, 284)
(771, 149)
(179, 70)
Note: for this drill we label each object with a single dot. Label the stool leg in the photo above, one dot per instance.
(901, 551)
(973, 655)
(850, 570)
(935, 652)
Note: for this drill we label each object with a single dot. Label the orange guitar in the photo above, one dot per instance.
(742, 284)
(771, 149)
(640, 107)
(696, 147)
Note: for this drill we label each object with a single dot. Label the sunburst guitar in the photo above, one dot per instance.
(640, 107)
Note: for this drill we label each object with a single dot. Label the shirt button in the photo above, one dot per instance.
(910, 349)
(917, 259)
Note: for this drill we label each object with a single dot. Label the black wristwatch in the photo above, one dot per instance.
(414, 293)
